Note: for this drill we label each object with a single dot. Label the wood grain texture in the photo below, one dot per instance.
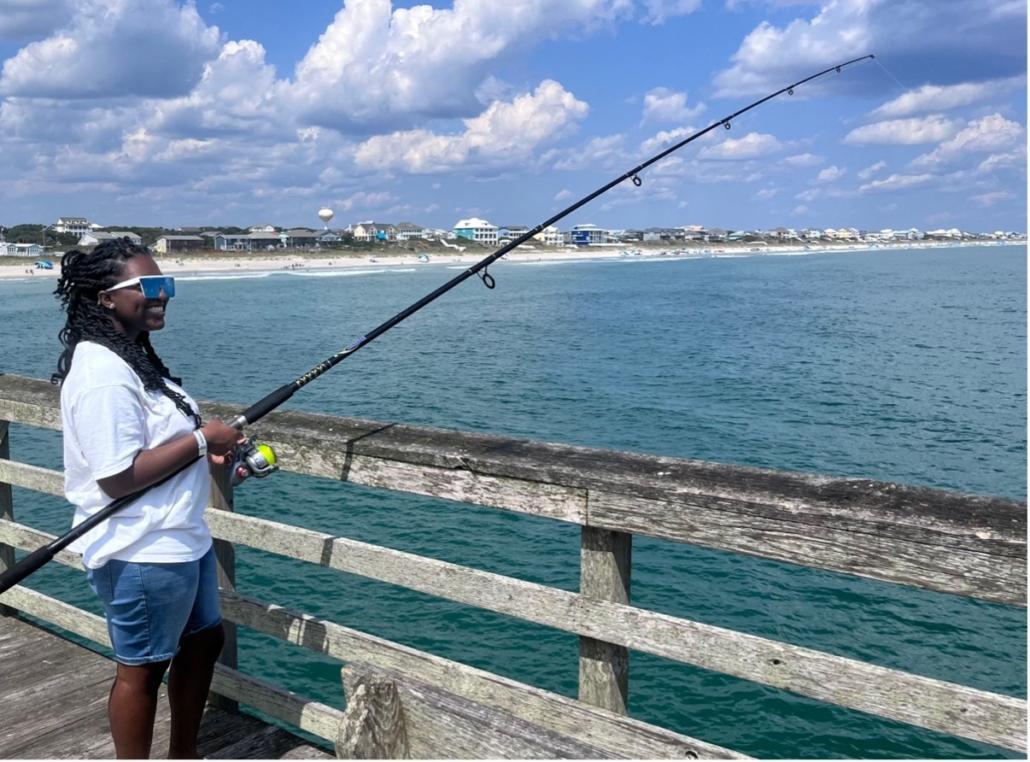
(974, 545)
(373, 725)
(620, 735)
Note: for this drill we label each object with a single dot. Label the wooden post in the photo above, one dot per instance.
(605, 558)
(373, 725)
(222, 500)
(6, 507)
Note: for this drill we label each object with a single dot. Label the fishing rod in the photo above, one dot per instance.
(257, 461)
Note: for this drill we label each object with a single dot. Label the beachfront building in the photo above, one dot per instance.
(8, 249)
(475, 229)
(262, 229)
(174, 244)
(508, 233)
(72, 225)
(550, 236)
(588, 235)
(299, 238)
(374, 231)
(409, 231)
(94, 237)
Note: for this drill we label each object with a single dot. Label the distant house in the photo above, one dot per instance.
(409, 231)
(8, 249)
(72, 225)
(588, 235)
(299, 238)
(510, 232)
(374, 231)
(550, 236)
(475, 229)
(173, 244)
(97, 236)
(262, 229)
(27, 250)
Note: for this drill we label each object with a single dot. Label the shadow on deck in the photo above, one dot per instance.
(53, 705)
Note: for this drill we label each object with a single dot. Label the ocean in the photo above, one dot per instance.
(899, 365)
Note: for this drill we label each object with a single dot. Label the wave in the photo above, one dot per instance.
(224, 276)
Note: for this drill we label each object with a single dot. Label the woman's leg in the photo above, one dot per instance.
(188, 684)
(131, 707)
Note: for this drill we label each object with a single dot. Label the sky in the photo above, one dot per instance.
(246, 112)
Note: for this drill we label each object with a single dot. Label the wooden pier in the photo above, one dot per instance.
(402, 702)
(53, 705)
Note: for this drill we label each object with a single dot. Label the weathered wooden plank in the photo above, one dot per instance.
(269, 743)
(933, 704)
(311, 716)
(32, 477)
(975, 541)
(439, 724)
(605, 563)
(315, 718)
(27, 538)
(373, 724)
(621, 735)
(982, 567)
(6, 501)
(221, 499)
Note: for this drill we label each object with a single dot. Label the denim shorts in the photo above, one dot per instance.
(151, 607)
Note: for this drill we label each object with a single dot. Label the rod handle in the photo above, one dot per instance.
(264, 406)
(25, 567)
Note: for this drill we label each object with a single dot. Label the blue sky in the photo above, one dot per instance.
(239, 112)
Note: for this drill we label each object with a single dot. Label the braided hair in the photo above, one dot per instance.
(83, 276)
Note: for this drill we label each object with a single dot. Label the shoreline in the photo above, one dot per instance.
(285, 262)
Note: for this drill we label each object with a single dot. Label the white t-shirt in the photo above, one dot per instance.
(108, 418)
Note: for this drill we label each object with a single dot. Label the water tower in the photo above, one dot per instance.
(325, 214)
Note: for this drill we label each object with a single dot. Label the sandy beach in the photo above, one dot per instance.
(251, 263)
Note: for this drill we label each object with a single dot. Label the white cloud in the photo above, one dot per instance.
(991, 133)
(872, 169)
(830, 174)
(802, 160)
(809, 195)
(364, 201)
(32, 19)
(380, 67)
(800, 209)
(770, 56)
(115, 48)
(664, 139)
(601, 151)
(928, 129)
(896, 182)
(503, 134)
(664, 105)
(944, 97)
(986, 41)
(236, 93)
(563, 194)
(751, 146)
(1007, 160)
(766, 193)
(991, 198)
(658, 11)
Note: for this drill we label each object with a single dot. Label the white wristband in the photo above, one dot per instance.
(201, 443)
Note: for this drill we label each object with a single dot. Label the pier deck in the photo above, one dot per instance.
(53, 705)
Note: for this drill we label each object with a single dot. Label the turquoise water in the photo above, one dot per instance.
(906, 366)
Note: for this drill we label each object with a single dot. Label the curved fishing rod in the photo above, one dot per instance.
(264, 406)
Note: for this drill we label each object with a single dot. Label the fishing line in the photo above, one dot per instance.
(264, 406)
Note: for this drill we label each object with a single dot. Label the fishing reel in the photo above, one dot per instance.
(252, 459)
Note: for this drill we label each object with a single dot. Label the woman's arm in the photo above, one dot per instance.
(153, 465)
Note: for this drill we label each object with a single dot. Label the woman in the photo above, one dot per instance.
(128, 425)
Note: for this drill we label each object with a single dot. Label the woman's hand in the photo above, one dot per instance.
(221, 441)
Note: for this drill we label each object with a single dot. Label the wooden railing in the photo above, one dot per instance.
(406, 702)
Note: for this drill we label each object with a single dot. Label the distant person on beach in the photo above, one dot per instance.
(128, 425)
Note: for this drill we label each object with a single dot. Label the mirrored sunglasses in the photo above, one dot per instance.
(150, 285)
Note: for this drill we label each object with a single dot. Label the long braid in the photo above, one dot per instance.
(83, 276)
